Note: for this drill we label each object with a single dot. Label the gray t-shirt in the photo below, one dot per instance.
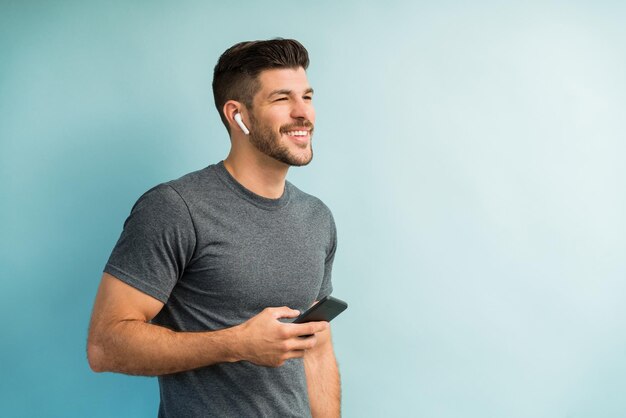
(217, 254)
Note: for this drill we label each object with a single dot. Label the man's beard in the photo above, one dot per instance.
(268, 142)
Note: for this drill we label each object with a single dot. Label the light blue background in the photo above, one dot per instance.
(473, 156)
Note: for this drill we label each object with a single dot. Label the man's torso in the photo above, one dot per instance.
(229, 254)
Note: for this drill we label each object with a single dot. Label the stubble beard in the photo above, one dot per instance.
(268, 142)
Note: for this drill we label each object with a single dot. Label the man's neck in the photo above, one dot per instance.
(261, 174)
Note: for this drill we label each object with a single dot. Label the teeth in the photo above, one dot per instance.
(297, 133)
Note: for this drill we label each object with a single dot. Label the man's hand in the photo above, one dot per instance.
(122, 339)
(265, 341)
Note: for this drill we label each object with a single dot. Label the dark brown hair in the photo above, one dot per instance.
(236, 74)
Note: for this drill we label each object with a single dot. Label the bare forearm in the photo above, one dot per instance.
(140, 348)
(322, 375)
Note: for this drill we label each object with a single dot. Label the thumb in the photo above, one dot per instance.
(285, 312)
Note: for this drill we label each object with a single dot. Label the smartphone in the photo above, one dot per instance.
(324, 310)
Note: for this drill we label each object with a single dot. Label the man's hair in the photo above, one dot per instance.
(236, 75)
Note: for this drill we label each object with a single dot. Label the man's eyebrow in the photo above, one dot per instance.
(288, 92)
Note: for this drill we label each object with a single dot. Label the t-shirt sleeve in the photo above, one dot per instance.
(327, 284)
(156, 244)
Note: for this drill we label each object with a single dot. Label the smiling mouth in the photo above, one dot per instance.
(299, 131)
(298, 134)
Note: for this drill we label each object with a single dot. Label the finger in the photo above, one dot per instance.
(303, 343)
(295, 354)
(284, 312)
(308, 328)
(317, 326)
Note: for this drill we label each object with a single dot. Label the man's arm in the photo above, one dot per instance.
(121, 339)
(322, 377)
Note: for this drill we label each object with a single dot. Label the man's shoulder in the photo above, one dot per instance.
(197, 185)
(178, 191)
(195, 178)
(307, 200)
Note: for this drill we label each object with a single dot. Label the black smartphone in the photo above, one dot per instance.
(324, 310)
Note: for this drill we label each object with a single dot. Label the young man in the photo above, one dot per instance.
(208, 265)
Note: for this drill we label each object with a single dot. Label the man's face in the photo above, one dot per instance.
(282, 116)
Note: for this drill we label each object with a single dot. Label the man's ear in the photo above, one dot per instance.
(234, 113)
(232, 107)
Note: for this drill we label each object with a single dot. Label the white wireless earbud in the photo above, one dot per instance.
(242, 125)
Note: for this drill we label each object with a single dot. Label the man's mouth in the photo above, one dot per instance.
(299, 131)
(298, 134)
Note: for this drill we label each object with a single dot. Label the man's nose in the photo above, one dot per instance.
(303, 110)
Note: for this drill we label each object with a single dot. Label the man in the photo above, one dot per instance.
(208, 265)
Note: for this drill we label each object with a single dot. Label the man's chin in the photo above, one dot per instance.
(301, 164)
(295, 161)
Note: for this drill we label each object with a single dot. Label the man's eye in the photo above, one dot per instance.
(280, 98)
(308, 98)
